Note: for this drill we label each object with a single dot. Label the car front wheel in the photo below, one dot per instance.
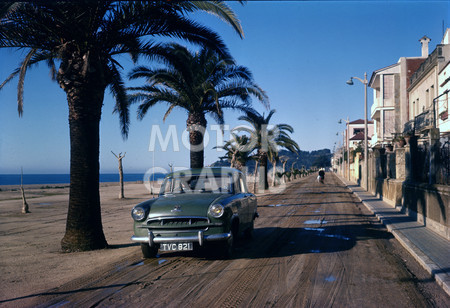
(148, 252)
(227, 247)
(248, 233)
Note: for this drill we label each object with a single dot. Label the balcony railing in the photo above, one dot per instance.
(430, 61)
(423, 121)
(408, 127)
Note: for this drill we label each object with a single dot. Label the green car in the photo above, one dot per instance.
(196, 208)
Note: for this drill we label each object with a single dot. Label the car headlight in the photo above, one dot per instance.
(216, 210)
(138, 213)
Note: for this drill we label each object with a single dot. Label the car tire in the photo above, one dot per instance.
(248, 233)
(148, 252)
(227, 247)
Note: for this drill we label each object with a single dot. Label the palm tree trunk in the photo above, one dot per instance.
(284, 171)
(196, 125)
(274, 172)
(263, 182)
(256, 177)
(84, 223)
(121, 194)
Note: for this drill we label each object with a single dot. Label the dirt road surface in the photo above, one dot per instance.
(314, 245)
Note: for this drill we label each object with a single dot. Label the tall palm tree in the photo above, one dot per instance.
(203, 82)
(267, 139)
(85, 38)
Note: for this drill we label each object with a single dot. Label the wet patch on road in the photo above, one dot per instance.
(315, 222)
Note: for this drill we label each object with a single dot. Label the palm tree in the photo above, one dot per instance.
(284, 159)
(274, 158)
(237, 151)
(85, 38)
(203, 82)
(267, 139)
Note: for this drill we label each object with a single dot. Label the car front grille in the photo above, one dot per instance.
(178, 224)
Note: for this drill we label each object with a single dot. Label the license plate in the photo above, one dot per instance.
(176, 246)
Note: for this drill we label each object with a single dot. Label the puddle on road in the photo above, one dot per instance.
(340, 237)
(60, 304)
(138, 264)
(315, 229)
(315, 222)
(315, 251)
(160, 261)
(330, 278)
(276, 205)
(321, 230)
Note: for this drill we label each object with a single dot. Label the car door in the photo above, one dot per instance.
(238, 200)
(245, 202)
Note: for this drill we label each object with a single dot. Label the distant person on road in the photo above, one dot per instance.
(321, 175)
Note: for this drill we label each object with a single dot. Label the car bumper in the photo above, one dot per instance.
(200, 238)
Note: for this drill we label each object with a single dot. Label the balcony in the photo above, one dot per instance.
(422, 122)
(408, 127)
(375, 111)
(425, 120)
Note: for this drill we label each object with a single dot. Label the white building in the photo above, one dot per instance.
(441, 102)
(390, 96)
(356, 134)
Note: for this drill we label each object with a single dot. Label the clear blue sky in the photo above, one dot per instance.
(301, 53)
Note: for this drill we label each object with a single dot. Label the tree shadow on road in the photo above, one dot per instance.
(282, 242)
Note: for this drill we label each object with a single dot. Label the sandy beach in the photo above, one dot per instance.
(31, 260)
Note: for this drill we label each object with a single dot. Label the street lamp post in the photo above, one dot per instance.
(347, 143)
(366, 132)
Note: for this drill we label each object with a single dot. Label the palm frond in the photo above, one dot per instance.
(223, 11)
(122, 105)
(23, 71)
(171, 107)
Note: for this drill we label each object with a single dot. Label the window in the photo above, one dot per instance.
(203, 183)
(358, 130)
(388, 86)
(389, 120)
(242, 184)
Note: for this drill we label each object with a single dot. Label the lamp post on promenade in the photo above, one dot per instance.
(346, 142)
(366, 132)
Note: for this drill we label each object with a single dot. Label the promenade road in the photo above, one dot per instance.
(315, 245)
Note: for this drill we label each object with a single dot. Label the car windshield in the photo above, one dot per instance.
(208, 183)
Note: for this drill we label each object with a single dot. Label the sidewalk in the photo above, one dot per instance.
(428, 248)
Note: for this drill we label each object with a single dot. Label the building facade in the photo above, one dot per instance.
(390, 108)
(428, 99)
(356, 133)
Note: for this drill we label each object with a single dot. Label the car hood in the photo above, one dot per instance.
(183, 204)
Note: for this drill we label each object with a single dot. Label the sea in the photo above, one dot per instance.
(14, 179)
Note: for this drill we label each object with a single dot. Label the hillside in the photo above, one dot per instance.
(319, 158)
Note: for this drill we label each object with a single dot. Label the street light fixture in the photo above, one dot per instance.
(366, 132)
